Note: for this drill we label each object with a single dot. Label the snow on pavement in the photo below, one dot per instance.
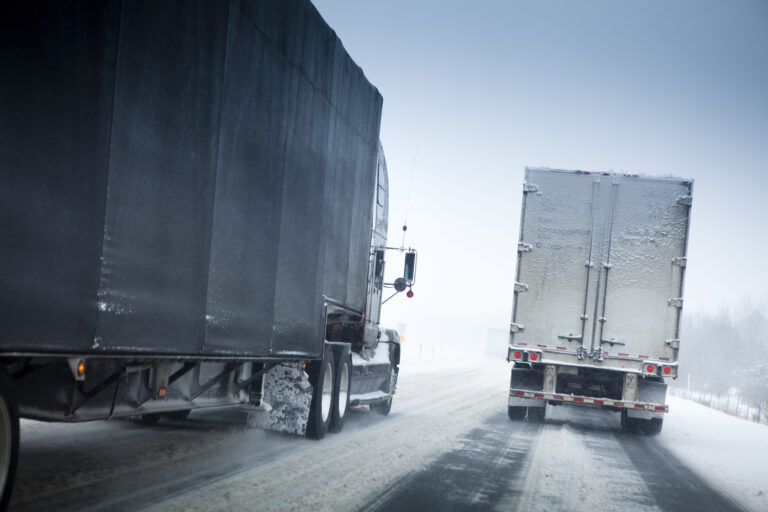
(342, 471)
(730, 453)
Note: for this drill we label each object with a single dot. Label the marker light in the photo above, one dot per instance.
(81, 368)
(533, 356)
(409, 294)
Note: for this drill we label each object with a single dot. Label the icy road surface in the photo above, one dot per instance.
(447, 445)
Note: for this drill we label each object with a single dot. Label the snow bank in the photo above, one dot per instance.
(729, 452)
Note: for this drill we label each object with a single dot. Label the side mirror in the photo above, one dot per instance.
(409, 269)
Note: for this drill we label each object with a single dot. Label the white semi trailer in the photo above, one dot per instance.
(598, 293)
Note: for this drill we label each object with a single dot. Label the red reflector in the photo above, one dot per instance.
(639, 406)
(558, 397)
(650, 368)
(642, 357)
(561, 348)
(517, 355)
(599, 402)
(533, 356)
(541, 346)
(622, 354)
(660, 408)
(667, 370)
(579, 400)
(519, 393)
(538, 395)
(618, 404)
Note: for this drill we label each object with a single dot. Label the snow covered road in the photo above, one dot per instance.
(447, 445)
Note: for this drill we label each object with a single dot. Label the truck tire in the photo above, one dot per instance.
(149, 419)
(9, 439)
(178, 415)
(652, 427)
(649, 427)
(341, 385)
(321, 378)
(537, 414)
(382, 407)
(629, 425)
(516, 413)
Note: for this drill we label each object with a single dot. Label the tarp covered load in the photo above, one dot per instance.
(180, 177)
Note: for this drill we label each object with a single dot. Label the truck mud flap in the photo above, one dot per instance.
(526, 379)
(285, 402)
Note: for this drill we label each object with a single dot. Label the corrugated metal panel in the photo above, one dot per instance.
(599, 262)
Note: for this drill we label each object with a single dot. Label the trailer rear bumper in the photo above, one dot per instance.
(516, 394)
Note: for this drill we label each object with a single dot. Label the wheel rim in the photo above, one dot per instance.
(5, 443)
(327, 398)
(343, 389)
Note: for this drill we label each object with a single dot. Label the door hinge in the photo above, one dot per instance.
(530, 187)
(523, 247)
(685, 200)
(516, 327)
(675, 344)
(570, 337)
(680, 261)
(521, 287)
(675, 303)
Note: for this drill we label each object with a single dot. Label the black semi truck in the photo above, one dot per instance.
(193, 213)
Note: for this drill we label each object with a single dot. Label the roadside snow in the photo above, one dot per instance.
(731, 453)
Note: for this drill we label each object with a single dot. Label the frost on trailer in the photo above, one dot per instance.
(598, 293)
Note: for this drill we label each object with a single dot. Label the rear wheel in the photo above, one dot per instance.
(149, 419)
(9, 439)
(536, 414)
(382, 408)
(653, 426)
(178, 415)
(321, 378)
(649, 427)
(341, 392)
(516, 413)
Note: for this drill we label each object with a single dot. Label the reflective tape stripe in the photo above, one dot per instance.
(588, 400)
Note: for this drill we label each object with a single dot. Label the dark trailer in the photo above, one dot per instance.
(187, 195)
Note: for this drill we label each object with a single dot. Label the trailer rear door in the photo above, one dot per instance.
(600, 264)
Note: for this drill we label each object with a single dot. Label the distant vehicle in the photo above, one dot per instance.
(194, 215)
(598, 293)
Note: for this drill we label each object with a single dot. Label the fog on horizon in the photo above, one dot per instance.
(473, 93)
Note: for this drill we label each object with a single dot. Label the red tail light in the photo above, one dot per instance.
(667, 370)
(517, 355)
(650, 368)
(533, 356)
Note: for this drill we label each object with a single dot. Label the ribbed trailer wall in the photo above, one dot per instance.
(180, 177)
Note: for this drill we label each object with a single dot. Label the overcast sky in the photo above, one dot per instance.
(475, 91)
